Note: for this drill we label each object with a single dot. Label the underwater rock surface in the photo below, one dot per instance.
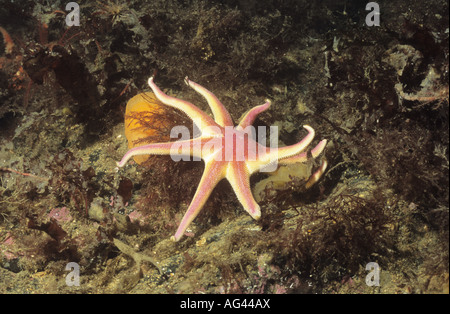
(379, 94)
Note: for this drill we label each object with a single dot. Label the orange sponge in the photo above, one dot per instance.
(144, 122)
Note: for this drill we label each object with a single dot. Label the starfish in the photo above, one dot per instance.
(228, 152)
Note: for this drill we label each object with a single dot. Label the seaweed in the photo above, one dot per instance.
(336, 238)
(70, 183)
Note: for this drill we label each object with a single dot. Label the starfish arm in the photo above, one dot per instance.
(221, 115)
(213, 173)
(291, 150)
(251, 115)
(190, 147)
(272, 156)
(193, 112)
(302, 157)
(317, 175)
(239, 178)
